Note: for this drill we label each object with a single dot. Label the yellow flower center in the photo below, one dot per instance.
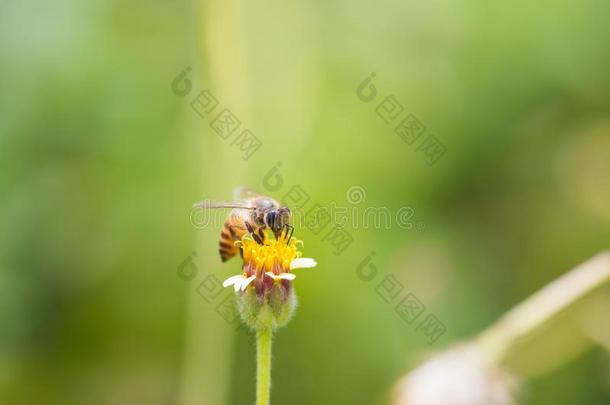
(273, 255)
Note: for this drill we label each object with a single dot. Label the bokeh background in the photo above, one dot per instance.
(101, 161)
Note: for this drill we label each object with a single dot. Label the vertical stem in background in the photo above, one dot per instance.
(208, 347)
(263, 365)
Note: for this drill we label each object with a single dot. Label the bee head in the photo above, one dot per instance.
(277, 219)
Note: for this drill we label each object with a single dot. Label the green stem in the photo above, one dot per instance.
(263, 365)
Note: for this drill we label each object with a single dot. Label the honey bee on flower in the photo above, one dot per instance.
(259, 228)
(251, 213)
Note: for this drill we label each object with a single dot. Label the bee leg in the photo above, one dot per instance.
(261, 234)
(257, 239)
(289, 228)
(277, 234)
(253, 233)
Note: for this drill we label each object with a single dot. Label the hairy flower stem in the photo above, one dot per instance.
(263, 365)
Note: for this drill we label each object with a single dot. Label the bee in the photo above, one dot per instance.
(252, 213)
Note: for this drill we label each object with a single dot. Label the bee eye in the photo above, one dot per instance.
(270, 219)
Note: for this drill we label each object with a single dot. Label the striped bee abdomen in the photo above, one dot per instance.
(231, 232)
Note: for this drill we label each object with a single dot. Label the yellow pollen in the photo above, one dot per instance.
(273, 255)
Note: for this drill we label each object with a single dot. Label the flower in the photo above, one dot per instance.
(265, 296)
(272, 261)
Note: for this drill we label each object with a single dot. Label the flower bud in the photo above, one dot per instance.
(272, 310)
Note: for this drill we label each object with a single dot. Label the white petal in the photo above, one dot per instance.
(246, 282)
(281, 276)
(302, 263)
(232, 280)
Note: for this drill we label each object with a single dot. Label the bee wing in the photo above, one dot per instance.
(223, 204)
(241, 193)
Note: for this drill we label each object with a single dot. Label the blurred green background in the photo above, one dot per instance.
(101, 161)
